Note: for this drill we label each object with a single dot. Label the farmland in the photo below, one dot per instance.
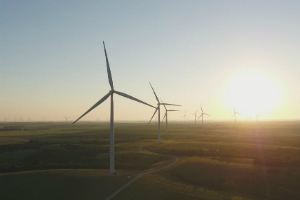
(56, 160)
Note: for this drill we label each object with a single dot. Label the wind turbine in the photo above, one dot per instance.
(111, 95)
(166, 115)
(5, 118)
(66, 118)
(158, 109)
(234, 115)
(257, 115)
(195, 116)
(184, 116)
(202, 114)
(43, 118)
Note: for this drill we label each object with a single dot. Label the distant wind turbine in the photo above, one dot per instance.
(66, 118)
(43, 118)
(234, 115)
(256, 116)
(184, 116)
(158, 109)
(196, 116)
(202, 115)
(111, 95)
(5, 118)
(166, 115)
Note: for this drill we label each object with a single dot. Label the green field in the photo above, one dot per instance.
(221, 161)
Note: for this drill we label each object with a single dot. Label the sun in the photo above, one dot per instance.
(254, 93)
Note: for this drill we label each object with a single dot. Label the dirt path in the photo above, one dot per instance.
(140, 176)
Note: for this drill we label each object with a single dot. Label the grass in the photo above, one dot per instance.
(61, 184)
(220, 161)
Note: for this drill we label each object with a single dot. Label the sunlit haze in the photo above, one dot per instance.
(216, 54)
(253, 93)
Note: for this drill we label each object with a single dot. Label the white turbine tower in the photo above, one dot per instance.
(66, 118)
(234, 115)
(202, 115)
(256, 116)
(111, 95)
(195, 116)
(166, 115)
(184, 116)
(158, 109)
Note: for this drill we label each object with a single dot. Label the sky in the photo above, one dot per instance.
(214, 54)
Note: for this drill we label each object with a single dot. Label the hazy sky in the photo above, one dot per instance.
(194, 52)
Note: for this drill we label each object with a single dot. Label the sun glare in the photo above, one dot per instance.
(254, 93)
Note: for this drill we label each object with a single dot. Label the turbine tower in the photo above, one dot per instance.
(234, 115)
(257, 115)
(184, 116)
(5, 118)
(195, 116)
(202, 114)
(111, 95)
(158, 109)
(166, 115)
(66, 118)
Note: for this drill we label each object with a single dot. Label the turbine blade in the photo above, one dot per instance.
(108, 69)
(153, 115)
(233, 115)
(154, 93)
(201, 109)
(173, 110)
(94, 106)
(164, 105)
(206, 114)
(164, 117)
(133, 98)
(168, 104)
